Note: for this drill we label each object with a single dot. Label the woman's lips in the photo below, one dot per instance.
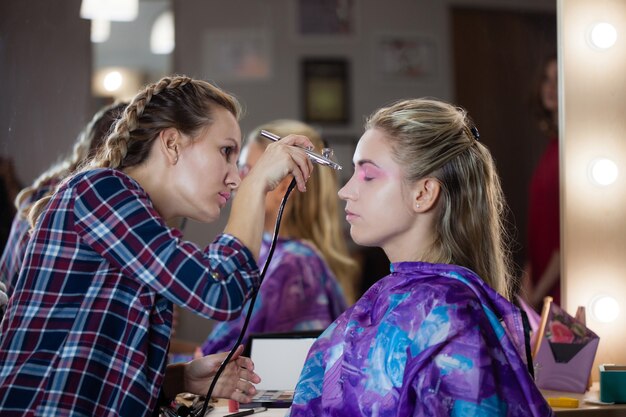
(224, 197)
(350, 215)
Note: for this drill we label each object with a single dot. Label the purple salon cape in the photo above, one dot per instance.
(299, 293)
(427, 340)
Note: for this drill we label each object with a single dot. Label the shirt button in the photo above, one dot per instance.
(215, 275)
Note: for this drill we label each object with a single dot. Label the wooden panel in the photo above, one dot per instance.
(497, 56)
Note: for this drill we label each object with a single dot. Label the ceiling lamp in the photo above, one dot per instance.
(100, 30)
(162, 35)
(115, 10)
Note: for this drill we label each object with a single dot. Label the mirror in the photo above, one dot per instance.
(256, 50)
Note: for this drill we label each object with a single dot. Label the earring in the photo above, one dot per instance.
(417, 206)
(176, 159)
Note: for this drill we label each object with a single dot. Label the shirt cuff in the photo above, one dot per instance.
(242, 256)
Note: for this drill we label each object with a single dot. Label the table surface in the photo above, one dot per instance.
(221, 410)
(585, 407)
(586, 404)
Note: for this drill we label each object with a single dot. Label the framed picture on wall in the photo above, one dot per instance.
(325, 91)
(323, 19)
(237, 55)
(404, 57)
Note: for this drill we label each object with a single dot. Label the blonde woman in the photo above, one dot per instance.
(87, 329)
(311, 273)
(437, 336)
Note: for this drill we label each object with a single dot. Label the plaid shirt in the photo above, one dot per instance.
(87, 329)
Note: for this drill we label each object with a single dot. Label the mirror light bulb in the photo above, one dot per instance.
(603, 171)
(604, 308)
(603, 35)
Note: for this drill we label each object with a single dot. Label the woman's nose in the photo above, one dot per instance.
(233, 178)
(346, 192)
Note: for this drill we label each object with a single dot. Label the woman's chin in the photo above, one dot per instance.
(206, 216)
(361, 240)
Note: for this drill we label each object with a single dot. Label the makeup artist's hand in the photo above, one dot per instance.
(281, 159)
(235, 382)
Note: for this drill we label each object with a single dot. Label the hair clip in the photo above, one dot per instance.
(475, 133)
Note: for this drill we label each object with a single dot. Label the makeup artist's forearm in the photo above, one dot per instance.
(247, 216)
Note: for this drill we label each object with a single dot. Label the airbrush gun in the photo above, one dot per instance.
(318, 159)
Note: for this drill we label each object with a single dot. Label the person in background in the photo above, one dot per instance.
(438, 335)
(4, 299)
(87, 328)
(9, 187)
(542, 272)
(311, 272)
(89, 140)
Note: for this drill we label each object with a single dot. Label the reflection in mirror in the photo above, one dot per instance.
(47, 99)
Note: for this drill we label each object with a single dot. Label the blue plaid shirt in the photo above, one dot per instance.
(87, 329)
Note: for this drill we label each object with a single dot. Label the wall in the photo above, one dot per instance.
(45, 76)
(279, 95)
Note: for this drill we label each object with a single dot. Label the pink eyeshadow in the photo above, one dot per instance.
(369, 171)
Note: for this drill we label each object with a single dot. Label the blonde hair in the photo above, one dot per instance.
(314, 215)
(431, 138)
(88, 142)
(176, 102)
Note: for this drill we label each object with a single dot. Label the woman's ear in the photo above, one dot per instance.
(170, 144)
(426, 194)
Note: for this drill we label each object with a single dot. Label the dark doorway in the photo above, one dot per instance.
(497, 58)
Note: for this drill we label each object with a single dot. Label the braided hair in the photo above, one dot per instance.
(178, 102)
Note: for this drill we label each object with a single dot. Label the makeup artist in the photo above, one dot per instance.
(87, 328)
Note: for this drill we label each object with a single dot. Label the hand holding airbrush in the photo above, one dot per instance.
(317, 158)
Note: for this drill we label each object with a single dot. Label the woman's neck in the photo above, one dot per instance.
(414, 245)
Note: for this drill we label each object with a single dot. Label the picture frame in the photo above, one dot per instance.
(323, 20)
(404, 57)
(237, 55)
(325, 91)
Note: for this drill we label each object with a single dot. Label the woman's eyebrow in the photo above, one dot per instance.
(365, 161)
(234, 142)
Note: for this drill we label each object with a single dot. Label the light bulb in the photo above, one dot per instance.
(162, 35)
(604, 308)
(112, 81)
(115, 10)
(603, 35)
(603, 171)
(100, 30)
